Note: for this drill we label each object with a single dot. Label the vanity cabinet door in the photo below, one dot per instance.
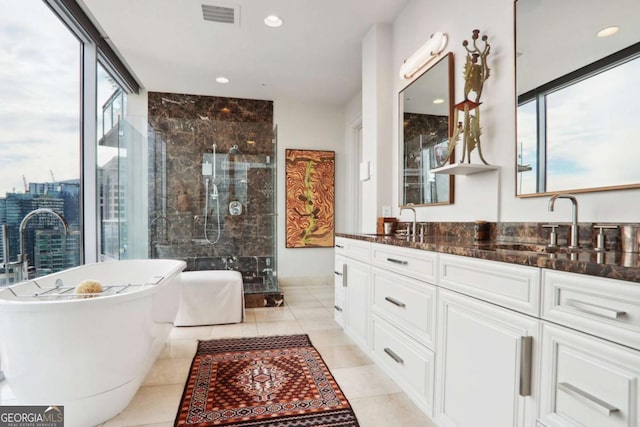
(356, 282)
(587, 381)
(484, 364)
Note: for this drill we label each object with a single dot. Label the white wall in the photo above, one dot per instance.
(376, 122)
(490, 195)
(351, 203)
(315, 127)
(476, 196)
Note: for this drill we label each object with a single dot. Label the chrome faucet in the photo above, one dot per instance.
(22, 257)
(573, 242)
(413, 226)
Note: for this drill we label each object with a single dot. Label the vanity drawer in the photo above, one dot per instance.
(411, 366)
(587, 381)
(357, 249)
(407, 303)
(604, 307)
(410, 262)
(513, 286)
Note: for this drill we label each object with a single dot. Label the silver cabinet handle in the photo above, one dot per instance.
(589, 399)
(395, 302)
(526, 356)
(394, 356)
(339, 246)
(596, 310)
(344, 275)
(337, 307)
(397, 261)
(337, 273)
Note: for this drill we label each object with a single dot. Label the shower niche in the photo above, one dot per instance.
(212, 183)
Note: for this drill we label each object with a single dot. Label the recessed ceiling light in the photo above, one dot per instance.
(438, 101)
(273, 21)
(222, 79)
(609, 31)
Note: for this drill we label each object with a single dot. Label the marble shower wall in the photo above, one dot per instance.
(182, 131)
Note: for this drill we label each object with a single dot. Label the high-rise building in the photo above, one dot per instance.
(3, 220)
(68, 191)
(55, 252)
(47, 249)
(113, 228)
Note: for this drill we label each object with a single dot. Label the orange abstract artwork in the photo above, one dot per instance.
(310, 177)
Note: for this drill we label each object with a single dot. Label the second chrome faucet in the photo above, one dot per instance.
(413, 225)
(573, 239)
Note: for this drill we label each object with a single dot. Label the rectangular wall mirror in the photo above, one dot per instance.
(578, 95)
(426, 107)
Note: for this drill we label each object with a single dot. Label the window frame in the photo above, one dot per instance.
(93, 48)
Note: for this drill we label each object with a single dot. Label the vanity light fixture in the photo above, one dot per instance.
(438, 101)
(273, 21)
(425, 54)
(609, 31)
(222, 79)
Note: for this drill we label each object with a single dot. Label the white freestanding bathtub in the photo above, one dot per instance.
(88, 354)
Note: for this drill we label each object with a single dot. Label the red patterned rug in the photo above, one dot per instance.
(276, 381)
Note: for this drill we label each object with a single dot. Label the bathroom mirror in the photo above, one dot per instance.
(426, 107)
(578, 96)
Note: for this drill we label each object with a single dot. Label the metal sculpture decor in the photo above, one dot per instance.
(476, 72)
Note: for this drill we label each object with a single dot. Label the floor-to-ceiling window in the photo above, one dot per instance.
(40, 135)
(62, 90)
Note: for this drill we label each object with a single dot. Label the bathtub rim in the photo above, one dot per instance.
(24, 304)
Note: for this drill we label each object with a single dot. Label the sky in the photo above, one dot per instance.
(39, 96)
(39, 93)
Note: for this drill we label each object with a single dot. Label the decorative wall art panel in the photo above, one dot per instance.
(310, 188)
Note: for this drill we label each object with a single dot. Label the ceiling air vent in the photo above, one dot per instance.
(222, 14)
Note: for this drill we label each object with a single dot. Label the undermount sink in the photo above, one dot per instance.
(517, 247)
(533, 247)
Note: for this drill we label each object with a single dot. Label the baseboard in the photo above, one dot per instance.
(306, 281)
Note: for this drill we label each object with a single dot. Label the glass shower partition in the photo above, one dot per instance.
(212, 199)
(122, 188)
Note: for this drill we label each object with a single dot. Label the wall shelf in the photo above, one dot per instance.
(463, 169)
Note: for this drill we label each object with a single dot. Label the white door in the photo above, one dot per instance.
(356, 285)
(485, 354)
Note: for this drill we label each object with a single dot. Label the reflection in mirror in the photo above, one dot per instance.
(577, 95)
(426, 112)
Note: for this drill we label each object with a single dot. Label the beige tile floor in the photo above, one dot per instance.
(376, 399)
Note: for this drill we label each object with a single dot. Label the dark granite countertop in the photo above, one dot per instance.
(610, 264)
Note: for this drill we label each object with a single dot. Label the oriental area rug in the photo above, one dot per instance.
(278, 381)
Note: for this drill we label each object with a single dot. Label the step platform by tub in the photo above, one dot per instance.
(210, 297)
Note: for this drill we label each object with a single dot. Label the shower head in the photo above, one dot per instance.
(234, 150)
